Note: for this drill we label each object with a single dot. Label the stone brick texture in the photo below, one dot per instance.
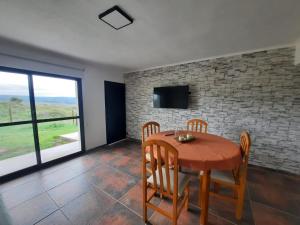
(258, 92)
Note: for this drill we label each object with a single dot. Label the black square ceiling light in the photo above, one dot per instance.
(116, 18)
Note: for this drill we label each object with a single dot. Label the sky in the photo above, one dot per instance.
(17, 85)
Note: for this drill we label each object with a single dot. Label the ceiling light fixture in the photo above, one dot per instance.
(116, 18)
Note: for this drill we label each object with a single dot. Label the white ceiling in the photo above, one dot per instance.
(164, 31)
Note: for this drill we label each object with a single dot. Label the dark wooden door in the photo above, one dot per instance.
(115, 111)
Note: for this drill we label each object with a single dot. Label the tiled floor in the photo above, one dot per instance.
(104, 187)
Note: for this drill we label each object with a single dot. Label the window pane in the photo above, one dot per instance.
(59, 138)
(16, 148)
(55, 97)
(14, 97)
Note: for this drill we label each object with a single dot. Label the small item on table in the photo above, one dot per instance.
(189, 137)
(185, 138)
(181, 138)
(170, 133)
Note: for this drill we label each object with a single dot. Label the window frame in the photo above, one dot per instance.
(34, 121)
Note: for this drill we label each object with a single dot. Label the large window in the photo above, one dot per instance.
(55, 97)
(14, 98)
(40, 119)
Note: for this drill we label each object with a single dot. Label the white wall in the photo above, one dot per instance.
(23, 57)
(94, 102)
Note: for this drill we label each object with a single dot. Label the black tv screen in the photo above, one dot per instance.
(171, 97)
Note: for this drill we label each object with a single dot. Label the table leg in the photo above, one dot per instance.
(205, 183)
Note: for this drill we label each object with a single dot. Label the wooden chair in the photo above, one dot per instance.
(235, 179)
(148, 129)
(197, 125)
(166, 182)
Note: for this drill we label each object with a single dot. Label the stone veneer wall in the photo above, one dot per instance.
(259, 92)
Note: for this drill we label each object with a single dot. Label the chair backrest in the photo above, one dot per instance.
(149, 128)
(245, 143)
(161, 154)
(197, 125)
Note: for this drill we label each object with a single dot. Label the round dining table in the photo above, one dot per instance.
(205, 153)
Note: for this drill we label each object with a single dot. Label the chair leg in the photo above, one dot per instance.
(145, 214)
(174, 219)
(240, 203)
(174, 222)
(205, 197)
(145, 217)
(199, 195)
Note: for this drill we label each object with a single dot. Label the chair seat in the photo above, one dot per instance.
(223, 175)
(183, 181)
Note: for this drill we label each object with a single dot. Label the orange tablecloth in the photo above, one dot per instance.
(207, 152)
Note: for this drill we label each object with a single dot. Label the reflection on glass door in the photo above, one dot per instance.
(14, 98)
(57, 113)
(55, 97)
(59, 138)
(17, 149)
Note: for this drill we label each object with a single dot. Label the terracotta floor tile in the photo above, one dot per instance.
(21, 193)
(56, 218)
(105, 156)
(62, 175)
(118, 215)
(19, 181)
(69, 190)
(226, 210)
(269, 178)
(275, 196)
(217, 220)
(87, 188)
(265, 215)
(87, 207)
(133, 200)
(88, 162)
(189, 217)
(128, 165)
(112, 181)
(31, 211)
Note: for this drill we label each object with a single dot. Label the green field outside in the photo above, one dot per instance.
(21, 111)
(18, 140)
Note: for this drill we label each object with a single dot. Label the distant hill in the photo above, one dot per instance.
(43, 100)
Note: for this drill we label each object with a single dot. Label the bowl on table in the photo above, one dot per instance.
(184, 138)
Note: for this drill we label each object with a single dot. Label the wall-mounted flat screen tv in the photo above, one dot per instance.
(171, 97)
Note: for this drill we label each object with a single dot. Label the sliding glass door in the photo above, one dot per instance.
(57, 116)
(16, 133)
(40, 119)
